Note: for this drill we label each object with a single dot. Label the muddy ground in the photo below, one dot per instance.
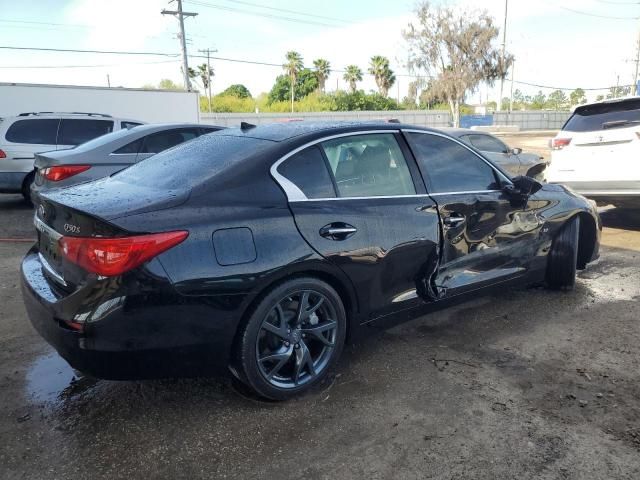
(527, 384)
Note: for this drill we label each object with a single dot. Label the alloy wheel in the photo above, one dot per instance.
(296, 339)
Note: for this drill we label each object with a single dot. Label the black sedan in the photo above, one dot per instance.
(261, 250)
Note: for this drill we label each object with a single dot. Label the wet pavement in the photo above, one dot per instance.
(528, 384)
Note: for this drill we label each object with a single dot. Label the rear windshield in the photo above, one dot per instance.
(103, 140)
(604, 116)
(185, 165)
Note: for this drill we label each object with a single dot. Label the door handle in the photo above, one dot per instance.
(453, 220)
(337, 231)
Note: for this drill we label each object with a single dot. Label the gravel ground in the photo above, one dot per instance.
(528, 384)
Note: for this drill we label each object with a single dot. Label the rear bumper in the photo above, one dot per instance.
(135, 340)
(11, 182)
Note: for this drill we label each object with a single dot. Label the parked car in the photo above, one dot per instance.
(513, 160)
(109, 153)
(261, 250)
(23, 136)
(596, 153)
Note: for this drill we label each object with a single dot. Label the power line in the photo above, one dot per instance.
(295, 12)
(30, 22)
(589, 14)
(76, 50)
(33, 67)
(618, 3)
(261, 14)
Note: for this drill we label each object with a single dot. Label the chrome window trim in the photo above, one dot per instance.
(291, 190)
(461, 143)
(417, 195)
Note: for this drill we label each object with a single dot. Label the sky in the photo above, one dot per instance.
(556, 43)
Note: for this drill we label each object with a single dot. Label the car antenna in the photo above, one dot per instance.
(246, 126)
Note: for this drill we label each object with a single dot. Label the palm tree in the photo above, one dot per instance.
(206, 74)
(352, 75)
(292, 68)
(323, 69)
(379, 68)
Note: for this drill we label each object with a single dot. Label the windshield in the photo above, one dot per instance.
(603, 116)
(185, 165)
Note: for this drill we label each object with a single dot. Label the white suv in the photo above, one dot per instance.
(23, 136)
(597, 152)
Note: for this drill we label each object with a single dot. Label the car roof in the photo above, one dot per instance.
(459, 132)
(283, 131)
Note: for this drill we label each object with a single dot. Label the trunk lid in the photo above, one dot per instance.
(109, 198)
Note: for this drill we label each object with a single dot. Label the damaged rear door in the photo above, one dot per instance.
(358, 200)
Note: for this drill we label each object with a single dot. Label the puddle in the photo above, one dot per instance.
(50, 379)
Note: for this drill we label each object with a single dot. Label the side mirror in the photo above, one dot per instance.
(524, 186)
(516, 151)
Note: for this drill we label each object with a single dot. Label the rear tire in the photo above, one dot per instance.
(285, 350)
(26, 188)
(563, 257)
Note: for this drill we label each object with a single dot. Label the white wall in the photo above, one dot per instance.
(151, 106)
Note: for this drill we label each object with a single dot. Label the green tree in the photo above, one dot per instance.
(599, 98)
(577, 97)
(618, 91)
(322, 70)
(538, 101)
(456, 49)
(205, 74)
(352, 76)
(292, 67)
(358, 100)
(558, 100)
(306, 82)
(384, 76)
(168, 84)
(237, 90)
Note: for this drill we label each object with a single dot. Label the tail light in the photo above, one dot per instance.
(560, 143)
(113, 256)
(60, 172)
(2, 154)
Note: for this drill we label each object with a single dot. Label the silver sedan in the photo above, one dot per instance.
(109, 153)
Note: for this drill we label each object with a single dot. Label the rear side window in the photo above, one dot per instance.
(308, 171)
(40, 131)
(132, 147)
(450, 167)
(74, 131)
(604, 116)
(369, 166)
(158, 142)
(129, 125)
(485, 143)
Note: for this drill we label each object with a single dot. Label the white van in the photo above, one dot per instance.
(597, 152)
(22, 136)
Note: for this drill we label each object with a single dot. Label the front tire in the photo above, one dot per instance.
(563, 257)
(292, 338)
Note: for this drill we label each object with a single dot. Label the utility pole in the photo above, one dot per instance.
(634, 85)
(108, 81)
(504, 46)
(208, 52)
(179, 14)
(513, 71)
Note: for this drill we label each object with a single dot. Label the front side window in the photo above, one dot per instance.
(39, 131)
(450, 167)
(485, 143)
(74, 131)
(308, 171)
(368, 165)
